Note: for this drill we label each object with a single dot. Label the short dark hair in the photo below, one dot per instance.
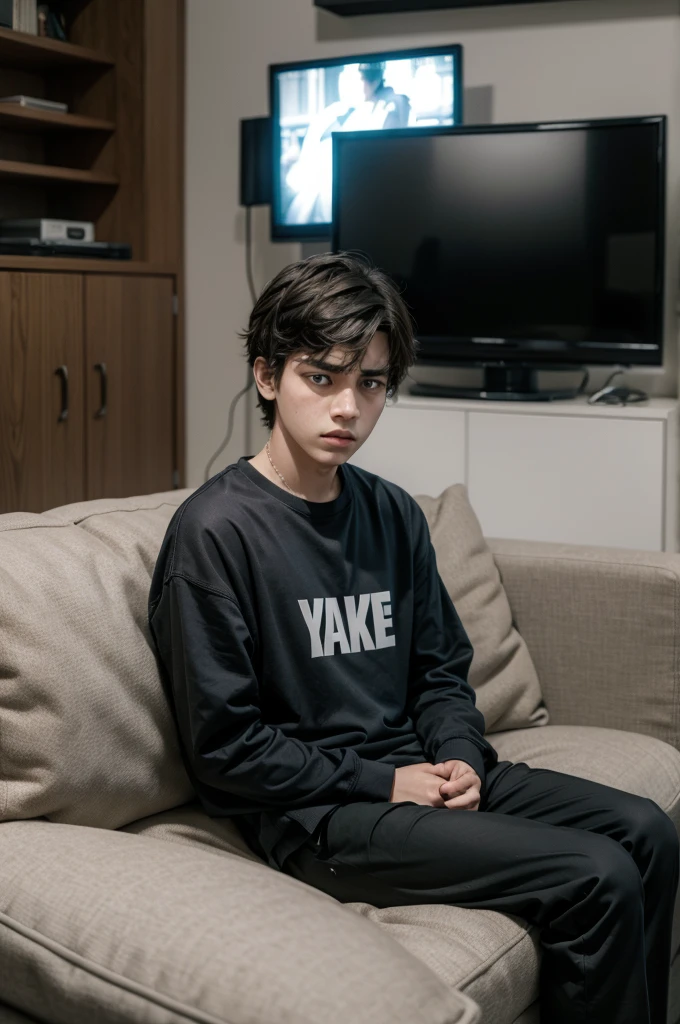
(326, 300)
(373, 72)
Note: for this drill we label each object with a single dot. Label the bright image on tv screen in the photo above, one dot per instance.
(315, 102)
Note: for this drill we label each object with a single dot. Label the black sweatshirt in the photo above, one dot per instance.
(308, 649)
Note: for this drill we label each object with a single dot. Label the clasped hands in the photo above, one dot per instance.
(453, 784)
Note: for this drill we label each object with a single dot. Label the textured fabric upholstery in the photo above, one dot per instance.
(10, 1016)
(603, 628)
(87, 734)
(502, 672)
(171, 917)
(494, 958)
(120, 927)
(191, 825)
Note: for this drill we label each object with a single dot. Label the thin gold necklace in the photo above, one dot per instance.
(282, 478)
(280, 475)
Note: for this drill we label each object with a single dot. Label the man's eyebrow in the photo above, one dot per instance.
(321, 364)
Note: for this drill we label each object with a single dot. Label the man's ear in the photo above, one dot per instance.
(264, 378)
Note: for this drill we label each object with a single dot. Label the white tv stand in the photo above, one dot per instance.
(560, 471)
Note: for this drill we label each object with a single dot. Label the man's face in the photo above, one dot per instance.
(370, 87)
(316, 398)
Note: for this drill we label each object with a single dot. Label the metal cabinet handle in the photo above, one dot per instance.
(101, 411)
(62, 371)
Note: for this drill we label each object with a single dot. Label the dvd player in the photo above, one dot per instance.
(41, 247)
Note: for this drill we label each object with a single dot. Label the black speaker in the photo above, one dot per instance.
(256, 161)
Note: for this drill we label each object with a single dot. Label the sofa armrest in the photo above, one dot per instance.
(603, 629)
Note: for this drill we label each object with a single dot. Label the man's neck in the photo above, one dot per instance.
(305, 478)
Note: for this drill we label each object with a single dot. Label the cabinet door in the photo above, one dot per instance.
(41, 330)
(570, 479)
(422, 450)
(130, 340)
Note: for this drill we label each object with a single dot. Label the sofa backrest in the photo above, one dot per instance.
(86, 732)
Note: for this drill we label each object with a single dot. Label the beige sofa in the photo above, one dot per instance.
(120, 900)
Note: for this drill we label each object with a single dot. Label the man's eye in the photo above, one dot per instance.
(313, 377)
(378, 384)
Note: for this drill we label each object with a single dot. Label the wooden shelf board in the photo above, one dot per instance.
(46, 172)
(22, 50)
(27, 119)
(79, 265)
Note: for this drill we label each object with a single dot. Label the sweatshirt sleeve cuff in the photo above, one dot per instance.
(375, 780)
(463, 750)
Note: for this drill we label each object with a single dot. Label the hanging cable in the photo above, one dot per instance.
(250, 380)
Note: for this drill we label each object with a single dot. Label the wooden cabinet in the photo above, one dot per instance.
(68, 341)
(551, 471)
(129, 358)
(41, 390)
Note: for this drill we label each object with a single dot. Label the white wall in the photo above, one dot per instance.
(580, 58)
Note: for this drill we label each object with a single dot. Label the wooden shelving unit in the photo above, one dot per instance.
(26, 119)
(115, 159)
(47, 153)
(78, 265)
(47, 172)
(21, 50)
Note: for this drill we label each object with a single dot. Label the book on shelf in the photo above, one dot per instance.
(19, 15)
(36, 103)
(51, 22)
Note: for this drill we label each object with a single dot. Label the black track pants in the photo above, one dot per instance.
(594, 867)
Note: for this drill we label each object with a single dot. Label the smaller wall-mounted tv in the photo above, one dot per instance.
(312, 100)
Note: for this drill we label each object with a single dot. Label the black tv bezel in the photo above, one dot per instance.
(311, 232)
(354, 8)
(515, 350)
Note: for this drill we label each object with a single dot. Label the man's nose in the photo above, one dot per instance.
(346, 404)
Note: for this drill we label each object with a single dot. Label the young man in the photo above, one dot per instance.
(318, 673)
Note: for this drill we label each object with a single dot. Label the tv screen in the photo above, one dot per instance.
(310, 101)
(537, 243)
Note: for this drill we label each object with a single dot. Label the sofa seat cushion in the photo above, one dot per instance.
(494, 958)
(190, 824)
(12, 1016)
(491, 955)
(625, 760)
(106, 926)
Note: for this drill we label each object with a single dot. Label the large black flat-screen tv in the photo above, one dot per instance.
(312, 100)
(540, 244)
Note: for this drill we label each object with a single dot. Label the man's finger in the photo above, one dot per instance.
(464, 802)
(440, 770)
(452, 786)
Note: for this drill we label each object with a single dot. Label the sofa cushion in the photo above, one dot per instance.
(625, 760)
(191, 825)
(87, 733)
(494, 958)
(11, 1016)
(106, 926)
(502, 672)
